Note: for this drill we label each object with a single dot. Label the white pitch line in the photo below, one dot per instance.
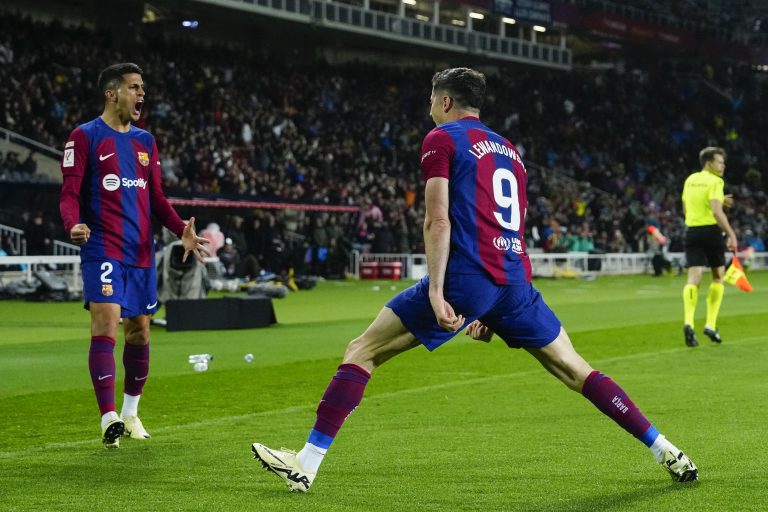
(300, 408)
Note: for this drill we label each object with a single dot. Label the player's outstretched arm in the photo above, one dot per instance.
(479, 331)
(193, 243)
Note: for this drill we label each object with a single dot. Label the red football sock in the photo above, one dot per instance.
(101, 363)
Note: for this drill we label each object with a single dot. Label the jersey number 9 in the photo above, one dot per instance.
(505, 195)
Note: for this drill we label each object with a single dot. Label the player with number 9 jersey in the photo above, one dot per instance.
(488, 272)
(479, 279)
(487, 181)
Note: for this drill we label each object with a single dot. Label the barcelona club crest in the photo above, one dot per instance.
(106, 290)
(143, 158)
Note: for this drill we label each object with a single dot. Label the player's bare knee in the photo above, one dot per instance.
(574, 383)
(573, 374)
(136, 334)
(139, 338)
(103, 327)
(569, 379)
(358, 352)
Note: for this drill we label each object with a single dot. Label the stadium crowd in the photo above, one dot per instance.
(702, 16)
(608, 150)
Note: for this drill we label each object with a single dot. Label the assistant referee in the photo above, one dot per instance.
(705, 220)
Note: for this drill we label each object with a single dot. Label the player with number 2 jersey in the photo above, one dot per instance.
(111, 187)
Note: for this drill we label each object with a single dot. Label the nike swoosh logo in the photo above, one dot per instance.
(150, 306)
(143, 378)
(104, 157)
(102, 377)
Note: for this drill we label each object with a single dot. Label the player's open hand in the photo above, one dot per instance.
(79, 234)
(479, 331)
(193, 243)
(446, 317)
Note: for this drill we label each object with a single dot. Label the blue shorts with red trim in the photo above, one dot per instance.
(108, 280)
(516, 313)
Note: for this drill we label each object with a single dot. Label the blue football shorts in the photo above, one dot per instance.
(516, 313)
(134, 288)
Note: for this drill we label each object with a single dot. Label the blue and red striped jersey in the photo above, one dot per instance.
(487, 199)
(112, 183)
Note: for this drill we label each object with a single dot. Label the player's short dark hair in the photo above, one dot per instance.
(466, 86)
(112, 76)
(708, 154)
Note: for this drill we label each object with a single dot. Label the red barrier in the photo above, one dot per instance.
(369, 270)
(390, 270)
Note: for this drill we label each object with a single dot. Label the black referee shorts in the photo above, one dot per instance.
(704, 246)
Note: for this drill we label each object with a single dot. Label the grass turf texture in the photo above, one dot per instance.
(469, 427)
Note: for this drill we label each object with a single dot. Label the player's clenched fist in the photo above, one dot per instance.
(79, 234)
(478, 331)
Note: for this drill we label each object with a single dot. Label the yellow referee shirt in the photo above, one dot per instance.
(699, 188)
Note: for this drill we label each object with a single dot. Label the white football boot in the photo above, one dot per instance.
(134, 429)
(680, 467)
(111, 432)
(283, 463)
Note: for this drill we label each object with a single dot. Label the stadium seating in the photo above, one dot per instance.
(613, 146)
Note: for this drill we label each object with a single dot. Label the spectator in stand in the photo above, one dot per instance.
(338, 257)
(8, 245)
(320, 244)
(275, 257)
(753, 241)
(617, 242)
(256, 239)
(570, 241)
(229, 258)
(370, 214)
(39, 235)
(12, 161)
(383, 239)
(29, 165)
(236, 233)
(213, 233)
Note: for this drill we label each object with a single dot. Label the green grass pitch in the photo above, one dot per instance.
(468, 427)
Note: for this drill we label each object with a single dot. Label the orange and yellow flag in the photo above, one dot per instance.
(735, 275)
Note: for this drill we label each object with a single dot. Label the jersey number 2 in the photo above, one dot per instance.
(505, 195)
(107, 268)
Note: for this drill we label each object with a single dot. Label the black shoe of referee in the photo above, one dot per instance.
(690, 336)
(714, 335)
